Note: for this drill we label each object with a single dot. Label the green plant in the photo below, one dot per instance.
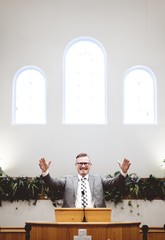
(27, 189)
(132, 186)
(138, 188)
(152, 188)
(21, 188)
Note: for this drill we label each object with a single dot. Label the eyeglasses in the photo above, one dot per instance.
(83, 163)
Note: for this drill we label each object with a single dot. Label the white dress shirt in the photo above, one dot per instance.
(78, 203)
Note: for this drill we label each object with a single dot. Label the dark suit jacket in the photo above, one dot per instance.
(97, 183)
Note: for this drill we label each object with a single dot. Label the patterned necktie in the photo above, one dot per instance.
(84, 199)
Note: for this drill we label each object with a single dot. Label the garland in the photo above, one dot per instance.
(31, 189)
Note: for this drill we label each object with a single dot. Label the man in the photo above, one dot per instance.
(95, 185)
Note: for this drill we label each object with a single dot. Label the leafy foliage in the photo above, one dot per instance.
(152, 188)
(138, 188)
(28, 189)
(21, 188)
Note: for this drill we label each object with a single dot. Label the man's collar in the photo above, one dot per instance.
(86, 176)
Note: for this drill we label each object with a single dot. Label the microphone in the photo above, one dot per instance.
(84, 217)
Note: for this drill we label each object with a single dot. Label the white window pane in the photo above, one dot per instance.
(85, 98)
(30, 105)
(139, 97)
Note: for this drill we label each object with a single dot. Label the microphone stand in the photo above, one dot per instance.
(84, 217)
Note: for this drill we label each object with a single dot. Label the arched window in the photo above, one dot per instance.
(140, 96)
(29, 96)
(84, 82)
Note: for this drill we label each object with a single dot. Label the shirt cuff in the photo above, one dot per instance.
(45, 173)
(123, 174)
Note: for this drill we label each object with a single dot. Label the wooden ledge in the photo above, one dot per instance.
(12, 229)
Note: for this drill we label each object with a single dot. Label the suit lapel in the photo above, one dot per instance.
(75, 183)
(91, 183)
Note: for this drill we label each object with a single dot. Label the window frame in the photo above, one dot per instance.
(18, 72)
(70, 44)
(153, 77)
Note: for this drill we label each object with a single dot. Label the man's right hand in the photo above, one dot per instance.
(44, 165)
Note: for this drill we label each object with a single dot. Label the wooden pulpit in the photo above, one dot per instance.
(68, 221)
(78, 214)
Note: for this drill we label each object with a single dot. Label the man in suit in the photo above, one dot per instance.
(95, 185)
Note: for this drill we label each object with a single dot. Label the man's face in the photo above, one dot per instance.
(83, 165)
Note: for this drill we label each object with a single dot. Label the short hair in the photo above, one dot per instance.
(82, 155)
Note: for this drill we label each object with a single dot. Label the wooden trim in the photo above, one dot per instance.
(153, 233)
(12, 233)
(12, 229)
(154, 230)
(101, 230)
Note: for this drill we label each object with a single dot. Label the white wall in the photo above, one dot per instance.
(150, 213)
(36, 32)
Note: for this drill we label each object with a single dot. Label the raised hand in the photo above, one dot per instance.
(44, 165)
(124, 165)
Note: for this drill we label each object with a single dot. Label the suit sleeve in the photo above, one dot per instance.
(53, 183)
(117, 181)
